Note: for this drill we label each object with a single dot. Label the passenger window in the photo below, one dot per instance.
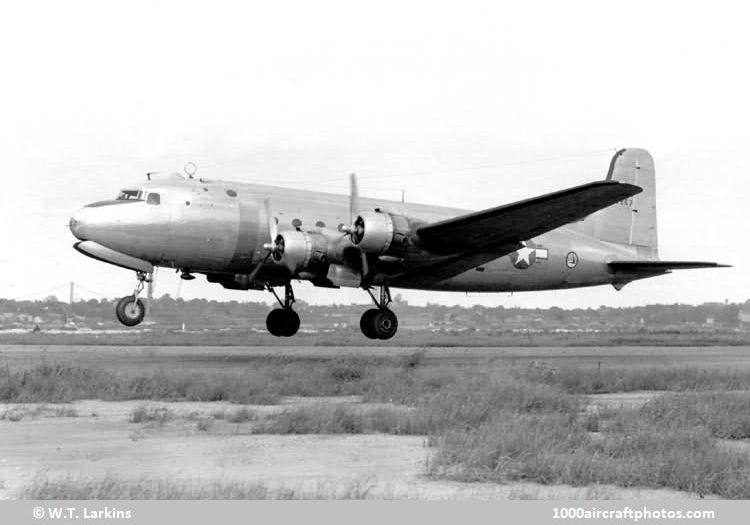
(153, 198)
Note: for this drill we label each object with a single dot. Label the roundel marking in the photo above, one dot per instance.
(571, 260)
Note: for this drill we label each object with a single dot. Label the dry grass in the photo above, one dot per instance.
(16, 414)
(343, 419)
(264, 381)
(723, 414)
(203, 424)
(597, 380)
(240, 415)
(658, 445)
(150, 414)
(525, 424)
(44, 487)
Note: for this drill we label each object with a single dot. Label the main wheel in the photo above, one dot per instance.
(367, 325)
(291, 322)
(385, 323)
(282, 322)
(130, 311)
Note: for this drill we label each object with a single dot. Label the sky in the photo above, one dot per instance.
(468, 104)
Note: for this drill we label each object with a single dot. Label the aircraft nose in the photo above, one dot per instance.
(77, 225)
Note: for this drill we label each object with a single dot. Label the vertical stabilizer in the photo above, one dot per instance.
(631, 221)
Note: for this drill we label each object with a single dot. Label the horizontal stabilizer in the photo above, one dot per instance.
(661, 266)
(512, 223)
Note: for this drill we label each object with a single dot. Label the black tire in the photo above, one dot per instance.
(367, 325)
(130, 311)
(282, 322)
(275, 322)
(385, 323)
(291, 322)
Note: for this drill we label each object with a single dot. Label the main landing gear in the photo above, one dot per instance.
(130, 310)
(283, 322)
(380, 322)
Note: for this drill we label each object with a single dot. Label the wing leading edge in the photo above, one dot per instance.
(509, 224)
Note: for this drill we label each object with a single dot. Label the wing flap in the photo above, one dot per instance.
(512, 223)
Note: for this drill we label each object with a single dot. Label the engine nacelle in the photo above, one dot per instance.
(300, 251)
(378, 232)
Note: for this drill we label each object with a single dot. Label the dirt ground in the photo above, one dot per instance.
(91, 439)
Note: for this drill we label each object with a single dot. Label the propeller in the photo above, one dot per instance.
(356, 228)
(275, 248)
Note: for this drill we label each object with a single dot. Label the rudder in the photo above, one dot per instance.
(633, 220)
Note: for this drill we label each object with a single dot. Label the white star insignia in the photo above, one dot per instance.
(524, 254)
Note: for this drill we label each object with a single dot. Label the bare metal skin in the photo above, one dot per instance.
(252, 236)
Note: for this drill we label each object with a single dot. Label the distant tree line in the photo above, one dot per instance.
(196, 313)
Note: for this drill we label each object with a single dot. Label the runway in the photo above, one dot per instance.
(233, 357)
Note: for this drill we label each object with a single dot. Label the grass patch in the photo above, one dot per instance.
(401, 380)
(18, 413)
(622, 379)
(669, 442)
(724, 415)
(203, 424)
(241, 415)
(13, 415)
(150, 414)
(111, 487)
(486, 424)
(263, 381)
(342, 419)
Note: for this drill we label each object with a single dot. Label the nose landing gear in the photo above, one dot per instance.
(283, 322)
(380, 322)
(130, 310)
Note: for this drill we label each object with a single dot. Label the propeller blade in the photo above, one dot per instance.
(273, 233)
(365, 266)
(272, 226)
(353, 199)
(257, 268)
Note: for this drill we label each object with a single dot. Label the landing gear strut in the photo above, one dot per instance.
(130, 310)
(380, 322)
(283, 322)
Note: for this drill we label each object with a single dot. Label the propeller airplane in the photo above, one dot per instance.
(257, 237)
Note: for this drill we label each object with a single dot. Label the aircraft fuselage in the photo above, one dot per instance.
(221, 227)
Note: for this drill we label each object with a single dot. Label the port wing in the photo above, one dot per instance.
(512, 223)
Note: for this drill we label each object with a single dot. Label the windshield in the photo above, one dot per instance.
(130, 195)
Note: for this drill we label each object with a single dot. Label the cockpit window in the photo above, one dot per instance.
(153, 198)
(130, 195)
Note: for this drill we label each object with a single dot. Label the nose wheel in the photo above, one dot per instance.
(283, 322)
(130, 310)
(380, 322)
